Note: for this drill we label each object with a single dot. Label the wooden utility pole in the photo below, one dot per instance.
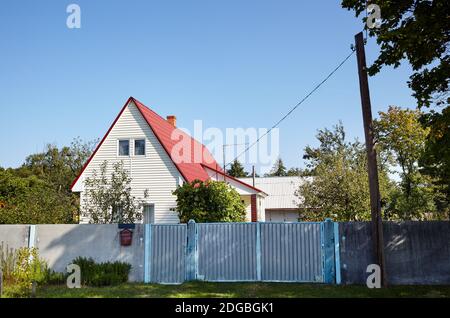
(375, 203)
(253, 175)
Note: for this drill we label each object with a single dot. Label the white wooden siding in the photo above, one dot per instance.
(248, 207)
(155, 171)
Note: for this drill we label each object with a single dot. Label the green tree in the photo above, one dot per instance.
(338, 187)
(237, 170)
(31, 200)
(400, 134)
(435, 160)
(210, 201)
(402, 138)
(278, 169)
(295, 172)
(418, 31)
(108, 197)
(57, 166)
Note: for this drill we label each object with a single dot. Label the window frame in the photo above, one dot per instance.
(134, 147)
(118, 147)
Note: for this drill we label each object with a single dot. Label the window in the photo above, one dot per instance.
(139, 147)
(124, 147)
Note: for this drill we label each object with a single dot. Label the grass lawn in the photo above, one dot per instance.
(244, 290)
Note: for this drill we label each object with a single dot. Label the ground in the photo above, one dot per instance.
(229, 290)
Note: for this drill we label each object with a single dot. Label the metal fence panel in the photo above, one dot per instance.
(291, 252)
(168, 253)
(226, 251)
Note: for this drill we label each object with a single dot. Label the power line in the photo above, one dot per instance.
(297, 105)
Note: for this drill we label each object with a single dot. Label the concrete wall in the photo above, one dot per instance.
(14, 236)
(416, 252)
(60, 244)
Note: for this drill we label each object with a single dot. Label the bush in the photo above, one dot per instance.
(21, 267)
(102, 274)
(55, 278)
(210, 201)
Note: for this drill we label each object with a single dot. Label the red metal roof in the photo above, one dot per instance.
(199, 154)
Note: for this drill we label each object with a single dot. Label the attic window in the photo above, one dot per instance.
(139, 147)
(124, 147)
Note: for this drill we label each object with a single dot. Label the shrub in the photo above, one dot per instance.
(55, 278)
(210, 201)
(7, 263)
(21, 267)
(102, 274)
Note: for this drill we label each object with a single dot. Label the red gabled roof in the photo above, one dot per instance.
(163, 130)
(194, 169)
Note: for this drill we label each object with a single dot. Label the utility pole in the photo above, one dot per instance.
(224, 162)
(375, 203)
(253, 175)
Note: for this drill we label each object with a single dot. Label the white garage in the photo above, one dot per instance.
(282, 215)
(281, 204)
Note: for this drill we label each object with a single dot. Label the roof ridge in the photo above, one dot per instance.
(148, 108)
(179, 129)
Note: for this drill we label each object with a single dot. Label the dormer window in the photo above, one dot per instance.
(139, 147)
(124, 147)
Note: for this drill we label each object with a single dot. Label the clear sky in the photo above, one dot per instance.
(230, 63)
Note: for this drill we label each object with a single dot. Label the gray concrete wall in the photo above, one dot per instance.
(60, 244)
(14, 236)
(416, 252)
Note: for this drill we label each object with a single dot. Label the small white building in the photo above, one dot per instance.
(281, 204)
(149, 147)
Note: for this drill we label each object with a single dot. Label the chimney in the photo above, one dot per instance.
(171, 119)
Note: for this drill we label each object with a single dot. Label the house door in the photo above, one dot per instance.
(149, 213)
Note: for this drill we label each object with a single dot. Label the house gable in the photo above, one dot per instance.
(154, 172)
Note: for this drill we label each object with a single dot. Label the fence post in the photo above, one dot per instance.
(191, 266)
(329, 250)
(147, 252)
(337, 253)
(258, 251)
(32, 236)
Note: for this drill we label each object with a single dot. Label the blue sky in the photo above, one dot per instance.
(230, 63)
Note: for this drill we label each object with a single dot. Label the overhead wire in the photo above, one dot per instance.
(297, 105)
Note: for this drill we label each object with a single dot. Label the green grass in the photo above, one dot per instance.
(244, 290)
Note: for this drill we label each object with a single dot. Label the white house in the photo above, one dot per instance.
(281, 205)
(144, 141)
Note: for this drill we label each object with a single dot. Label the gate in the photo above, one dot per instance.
(292, 252)
(281, 252)
(226, 251)
(165, 253)
(230, 252)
